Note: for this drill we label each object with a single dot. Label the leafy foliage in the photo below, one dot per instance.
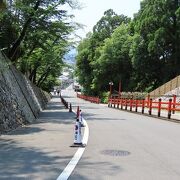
(34, 35)
(114, 62)
(91, 76)
(142, 53)
(157, 49)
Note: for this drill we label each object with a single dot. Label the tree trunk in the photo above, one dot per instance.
(32, 76)
(13, 50)
(43, 77)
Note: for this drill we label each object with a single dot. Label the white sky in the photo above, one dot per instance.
(93, 10)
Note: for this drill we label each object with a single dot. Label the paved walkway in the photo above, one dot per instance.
(39, 151)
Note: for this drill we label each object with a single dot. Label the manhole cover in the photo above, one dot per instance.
(115, 152)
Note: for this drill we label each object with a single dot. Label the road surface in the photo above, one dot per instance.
(127, 146)
(121, 145)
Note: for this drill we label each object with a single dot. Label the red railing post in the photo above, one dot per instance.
(143, 106)
(131, 104)
(121, 103)
(150, 106)
(169, 108)
(125, 104)
(118, 103)
(114, 102)
(136, 104)
(174, 103)
(159, 107)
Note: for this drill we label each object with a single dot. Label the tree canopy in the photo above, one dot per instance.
(142, 53)
(34, 34)
(90, 50)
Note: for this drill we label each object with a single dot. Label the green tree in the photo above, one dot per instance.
(156, 49)
(83, 67)
(107, 24)
(34, 35)
(89, 49)
(114, 63)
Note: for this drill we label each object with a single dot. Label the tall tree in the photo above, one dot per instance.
(83, 67)
(107, 24)
(114, 63)
(157, 22)
(102, 30)
(32, 31)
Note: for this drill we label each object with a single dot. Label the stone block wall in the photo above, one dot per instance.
(20, 100)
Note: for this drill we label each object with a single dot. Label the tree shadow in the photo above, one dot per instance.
(98, 168)
(94, 117)
(25, 130)
(18, 162)
(55, 113)
(56, 117)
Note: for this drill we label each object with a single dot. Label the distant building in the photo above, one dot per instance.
(76, 87)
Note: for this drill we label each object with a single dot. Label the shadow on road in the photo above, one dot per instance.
(23, 156)
(18, 162)
(100, 167)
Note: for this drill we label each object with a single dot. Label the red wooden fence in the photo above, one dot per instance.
(170, 106)
(89, 98)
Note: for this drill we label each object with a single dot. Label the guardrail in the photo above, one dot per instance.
(170, 106)
(89, 98)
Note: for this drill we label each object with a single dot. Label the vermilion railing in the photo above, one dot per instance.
(89, 98)
(170, 106)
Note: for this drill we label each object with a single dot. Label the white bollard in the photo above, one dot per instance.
(77, 133)
(81, 118)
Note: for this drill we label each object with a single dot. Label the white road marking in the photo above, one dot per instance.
(77, 156)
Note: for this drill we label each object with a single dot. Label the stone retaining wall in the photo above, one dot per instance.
(20, 100)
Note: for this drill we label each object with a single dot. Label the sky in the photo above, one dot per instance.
(93, 10)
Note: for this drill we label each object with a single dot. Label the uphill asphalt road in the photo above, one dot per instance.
(39, 151)
(126, 146)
